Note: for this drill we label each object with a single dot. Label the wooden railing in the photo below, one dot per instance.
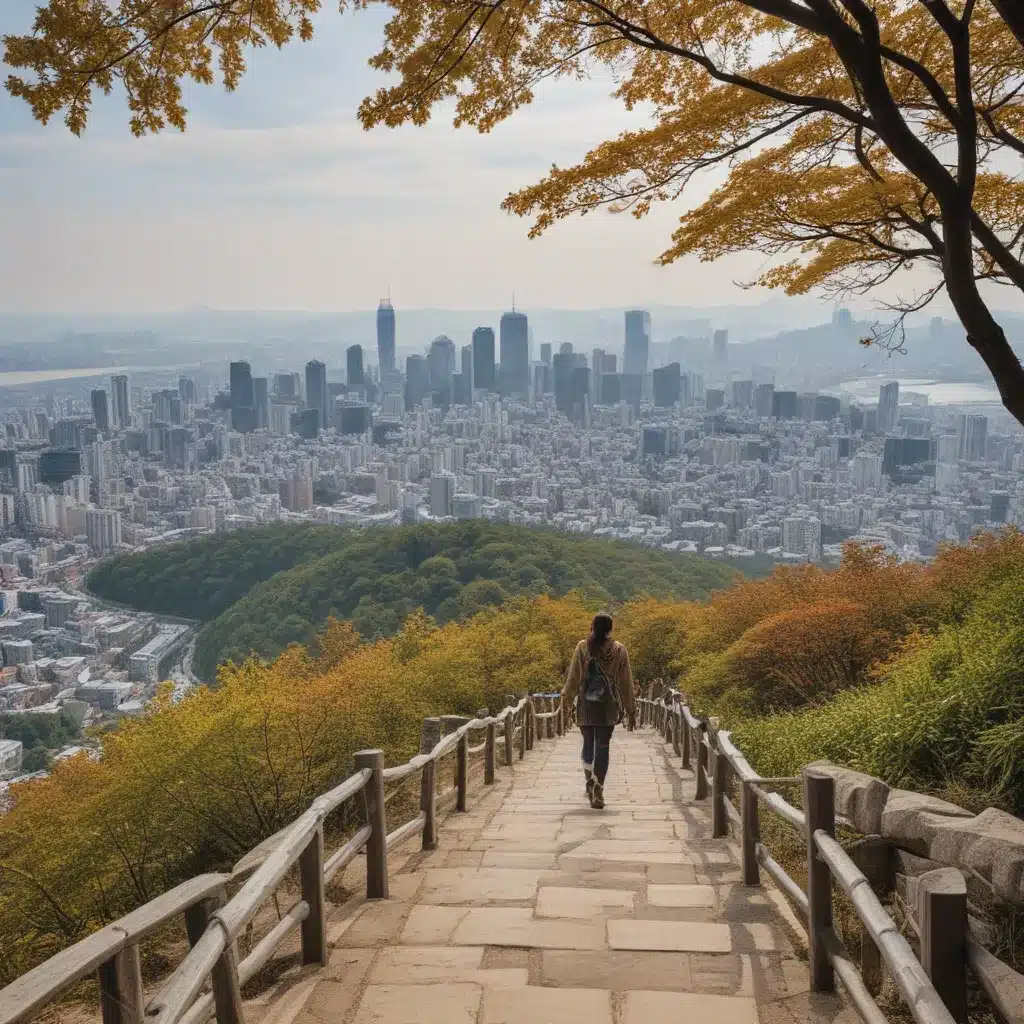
(933, 985)
(209, 979)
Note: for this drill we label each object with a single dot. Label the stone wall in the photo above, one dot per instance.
(987, 846)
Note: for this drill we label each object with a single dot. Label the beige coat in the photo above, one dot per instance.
(614, 662)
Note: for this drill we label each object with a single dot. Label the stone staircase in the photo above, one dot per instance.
(535, 909)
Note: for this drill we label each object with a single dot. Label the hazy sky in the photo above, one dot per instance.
(276, 199)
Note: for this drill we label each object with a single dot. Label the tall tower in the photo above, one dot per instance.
(638, 342)
(354, 367)
(721, 344)
(100, 410)
(888, 406)
(483, 358)
(122, 402)
(261, 402)
(316, 390)
(386, 338)
(515, 353)
(417, 380)
(243, 398)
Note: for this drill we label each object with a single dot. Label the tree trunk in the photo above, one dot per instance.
(1012, 12)
(984, 334)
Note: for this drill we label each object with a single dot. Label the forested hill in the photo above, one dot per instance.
(200, 578)
(259, 590)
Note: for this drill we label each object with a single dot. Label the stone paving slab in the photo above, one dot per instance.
(665, 936)
(655, 1007)
(536, 909)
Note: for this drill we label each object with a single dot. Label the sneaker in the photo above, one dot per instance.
(597, 796)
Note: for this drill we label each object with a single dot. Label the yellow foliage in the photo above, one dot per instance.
(191, 786)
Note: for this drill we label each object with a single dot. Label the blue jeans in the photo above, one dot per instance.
(596, 743)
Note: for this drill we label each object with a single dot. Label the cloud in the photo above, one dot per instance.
(276, 198)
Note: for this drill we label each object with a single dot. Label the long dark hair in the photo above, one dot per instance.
(600, 629)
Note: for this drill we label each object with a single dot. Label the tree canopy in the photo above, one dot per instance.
(260, 590)
(859, 138)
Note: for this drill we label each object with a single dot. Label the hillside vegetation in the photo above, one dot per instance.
(911, 673)
(200, 578)
(377, 578)
(915, 673)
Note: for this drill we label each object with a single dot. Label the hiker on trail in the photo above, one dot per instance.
(601, 681)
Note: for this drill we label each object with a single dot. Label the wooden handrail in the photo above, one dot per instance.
(827, 860)
(217, 922)
(34, 989)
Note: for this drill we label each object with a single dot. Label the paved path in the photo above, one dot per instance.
(537, 910)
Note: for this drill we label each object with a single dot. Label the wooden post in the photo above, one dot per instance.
(550, 702)
(684, 740)
(430, 736)
(751, 833)
(873, 856)
(560, 719)
(489, 755)
(462, 771)
(719, 784)
(450, 724)
(510, 725)
(819, 807)
(121, 997)
(676, 724)
(227, 995)
(942, 920)
(376, 816)
(311, 877)
(428, 805)
(530, 724)
(668, 724)
(522, 732)
(702, 767)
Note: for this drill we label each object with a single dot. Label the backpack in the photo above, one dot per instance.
(596, 687)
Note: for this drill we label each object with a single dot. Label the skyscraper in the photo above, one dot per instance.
(386, 338)
(763, 399)
(316, 391)
(122, 402)
(187, 391)
(563, 366)
(638, 342)
(354, 367)
(286, 385)
(243, 400)
(545, 353)
(666, 386)
(100, 412)
(973, 434)
(515, 354)
(579, 393)
(888, 406)
(417, 381)
(261, 402)
(466, 354)
(441, 359)
(483, 358)
(721, 344)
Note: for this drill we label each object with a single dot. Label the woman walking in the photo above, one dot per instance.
(601, 682)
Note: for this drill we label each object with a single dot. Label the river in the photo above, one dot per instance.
(19, 378)
(939, 392)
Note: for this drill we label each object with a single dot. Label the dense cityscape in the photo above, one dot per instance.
(682, 445)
